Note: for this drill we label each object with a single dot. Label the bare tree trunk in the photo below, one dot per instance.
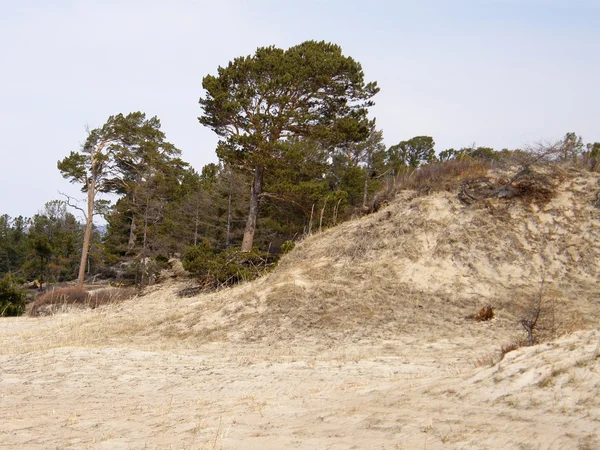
(335, 211)
(131, 243)
(87, 235)
(365, 190)
(227, 236)
(322, 212)
(253, 212)
(143, 262)
(41, 273)
(196, 223)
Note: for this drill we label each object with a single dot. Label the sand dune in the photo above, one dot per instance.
(357, 340)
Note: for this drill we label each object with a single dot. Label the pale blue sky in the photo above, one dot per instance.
(500, 73)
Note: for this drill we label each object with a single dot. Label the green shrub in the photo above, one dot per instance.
(287, 247)
(199, 259)
(12, 299)
(236, 266)
(228, 267)
(162, 261)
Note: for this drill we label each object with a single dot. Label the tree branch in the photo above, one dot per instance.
(282, 199)
(69, 200)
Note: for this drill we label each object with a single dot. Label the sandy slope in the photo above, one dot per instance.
(358, 340)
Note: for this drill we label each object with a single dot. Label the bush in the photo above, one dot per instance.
(287, 247)
(12, 299)
(200, 259)
(228, 267)
(537, 317)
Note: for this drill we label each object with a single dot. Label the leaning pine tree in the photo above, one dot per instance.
(111, 160)
(258, 102)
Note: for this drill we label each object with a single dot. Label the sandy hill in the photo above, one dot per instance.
(358, 339)
(423, 263)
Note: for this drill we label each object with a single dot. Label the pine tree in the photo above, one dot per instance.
(258, 102)
(114, 159)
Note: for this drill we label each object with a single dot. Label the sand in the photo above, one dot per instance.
(359, 339)
(401, 393)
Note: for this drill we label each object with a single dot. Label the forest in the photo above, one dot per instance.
(297, 154)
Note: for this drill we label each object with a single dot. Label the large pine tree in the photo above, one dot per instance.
(258, 102)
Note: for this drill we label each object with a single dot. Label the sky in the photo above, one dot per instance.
(497, 73)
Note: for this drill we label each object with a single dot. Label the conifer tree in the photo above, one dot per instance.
(112, 160)
(257, 102)
(412, 153)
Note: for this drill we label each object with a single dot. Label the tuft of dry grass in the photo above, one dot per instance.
(510, 347)
(488, 360)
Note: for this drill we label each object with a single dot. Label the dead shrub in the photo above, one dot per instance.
(529, 176)
(538, 316)
(528, 186)
(484, 314)
(56, 300)
(534, 189)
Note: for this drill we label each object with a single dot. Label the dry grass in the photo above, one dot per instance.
(510, 347)
(443, 176)
(126, 322)
(57, 300)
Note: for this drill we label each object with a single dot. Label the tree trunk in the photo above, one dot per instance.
(227, 236)
(41, 273)
(366, 190)
(87, 235)
(253, 212)
(131, 243)
(196, 220)
(144, 261)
